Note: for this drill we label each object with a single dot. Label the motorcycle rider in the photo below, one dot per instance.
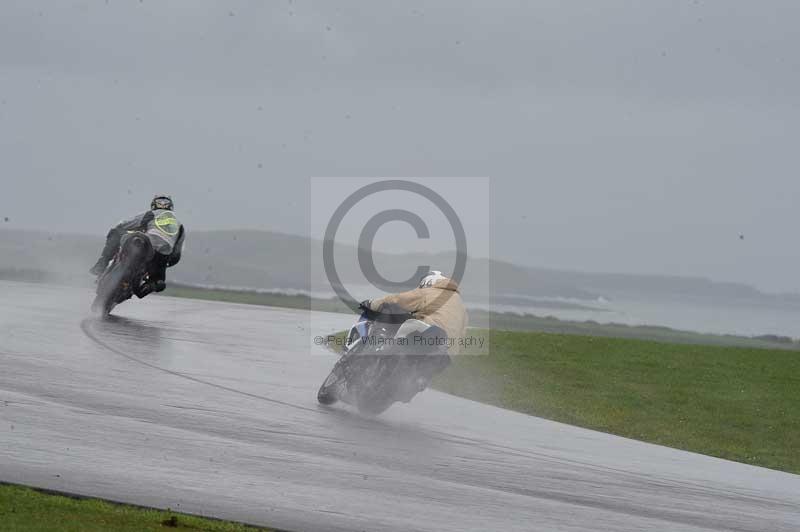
(166, 234)
(437, 311)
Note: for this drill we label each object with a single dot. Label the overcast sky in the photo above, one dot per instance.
(620, 136)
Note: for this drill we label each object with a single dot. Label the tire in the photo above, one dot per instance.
(327, 392)
(107, 289)
(108, 286)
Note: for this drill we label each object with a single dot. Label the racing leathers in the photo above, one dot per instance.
(166, 234)
(437, 314)
(439, 305)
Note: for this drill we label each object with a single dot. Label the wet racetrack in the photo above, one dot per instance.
(210, 408)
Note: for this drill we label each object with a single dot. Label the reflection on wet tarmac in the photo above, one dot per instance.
(129, 332)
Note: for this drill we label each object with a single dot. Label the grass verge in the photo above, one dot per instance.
(28, 510)
(734, 403)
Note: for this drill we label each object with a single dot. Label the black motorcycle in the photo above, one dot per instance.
(126, 275)
(374, 372)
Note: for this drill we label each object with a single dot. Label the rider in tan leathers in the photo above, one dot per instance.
(435, 303)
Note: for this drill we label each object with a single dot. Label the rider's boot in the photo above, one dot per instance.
(144, 289)
(150, 286)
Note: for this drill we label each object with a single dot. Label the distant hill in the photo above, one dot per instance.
(274, 261)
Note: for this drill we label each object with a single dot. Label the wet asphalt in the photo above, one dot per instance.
(210, 408)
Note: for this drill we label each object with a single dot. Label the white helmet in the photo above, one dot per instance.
(431, 277)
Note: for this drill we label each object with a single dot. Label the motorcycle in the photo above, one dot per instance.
(126, 274)
(371, 375)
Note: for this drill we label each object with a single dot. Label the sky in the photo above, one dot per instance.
(640, 137)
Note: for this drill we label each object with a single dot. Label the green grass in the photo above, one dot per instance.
(734, 403)
(27, 510)
(549, 324)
